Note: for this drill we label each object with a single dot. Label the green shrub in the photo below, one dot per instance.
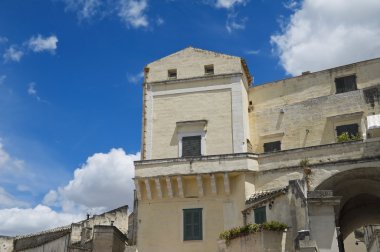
(345, 137)
(250, 229)
(304, 162)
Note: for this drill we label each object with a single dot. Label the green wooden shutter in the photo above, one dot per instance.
(191, 146)
(260, 215)
(192, 224)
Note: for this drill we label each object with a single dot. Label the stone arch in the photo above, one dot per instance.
(360, 202)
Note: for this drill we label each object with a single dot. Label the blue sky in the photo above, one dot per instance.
(70, 83)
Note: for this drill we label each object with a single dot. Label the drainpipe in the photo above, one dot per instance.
(143, 133)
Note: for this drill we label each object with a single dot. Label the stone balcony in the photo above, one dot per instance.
(346, 152)
(197, 165)
(160, 178)
(316, 155)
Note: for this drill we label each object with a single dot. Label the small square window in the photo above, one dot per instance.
(172, 74)
(260, 215)
(191, 146)
(272, 146)
(345, 84)
(192, 224)
(209, 69)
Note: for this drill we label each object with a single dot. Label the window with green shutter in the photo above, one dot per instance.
(191, 146)
(192, 224)
(260, 215)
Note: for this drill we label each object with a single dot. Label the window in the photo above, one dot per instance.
(192, 224)
(172, 74)
(345, 84)
(351, 129)
(260, 215)
(209, 69)
(191, 136)
(272, 146)
(191, 146)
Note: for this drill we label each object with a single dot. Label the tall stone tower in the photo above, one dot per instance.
(194, 149)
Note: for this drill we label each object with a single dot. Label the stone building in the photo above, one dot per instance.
(218, 152)
(100, 233)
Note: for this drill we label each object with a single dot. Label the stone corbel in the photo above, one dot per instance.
(227, 189)
(158, 188)
(200, 186)
(213, 184)
(148, 192)
(180, 186)
(169, 186)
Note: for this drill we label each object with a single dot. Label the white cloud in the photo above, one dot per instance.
(323, 34)
(2, 79)
(40, 44)
(23, 188)
(85, 9)
(3, 40)
(135, 79)
(160, 21)
(13, 54)
(103, 182)
(252, 52)
(32, 89)
(132, 12)
(234, 23)
(7, 200)
(292, 4)
(16, 221)
(228, 4)
(9, 163)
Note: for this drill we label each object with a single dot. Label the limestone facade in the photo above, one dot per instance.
(99, 233)
(211, 140)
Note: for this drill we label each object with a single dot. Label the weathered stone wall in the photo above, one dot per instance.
(259, 242)
(276, 169)
(304, 111)
(190, 63)
(213, 106)
(6, 244)
(57, 238)
(117, 217)
(59, 244)
(108, 238)
(220, 211)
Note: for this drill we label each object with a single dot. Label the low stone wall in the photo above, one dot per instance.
(6, 244)
(321, 155)
(264, 241)
(130, 249)
(39, 239)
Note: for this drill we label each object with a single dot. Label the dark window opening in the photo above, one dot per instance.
(192, 224)
(209, 69)
(351, 129)
(260, 215)
(272, 146)
(345, 84)
(172, 74)
(191, 146)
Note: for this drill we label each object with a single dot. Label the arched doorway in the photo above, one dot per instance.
(360, 202)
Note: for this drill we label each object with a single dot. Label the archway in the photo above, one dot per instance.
(360, 202)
